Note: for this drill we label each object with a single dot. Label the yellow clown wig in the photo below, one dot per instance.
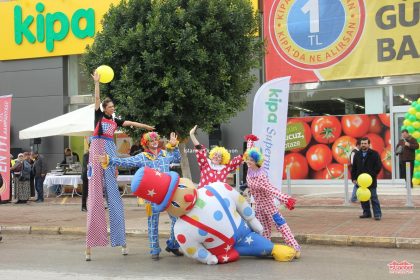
(221, 151)
(148, 137)
(255, 154)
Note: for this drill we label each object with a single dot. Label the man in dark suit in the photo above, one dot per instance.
(40, 171)
(368, 161)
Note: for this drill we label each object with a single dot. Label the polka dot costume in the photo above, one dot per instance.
(208, 174)
(103, 182)
(160, 162)
(211, 228)
(267, 213)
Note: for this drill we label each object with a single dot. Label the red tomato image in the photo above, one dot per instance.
(319, 156)
(326, 129)
(306, 131)
(298, 166)
(308, 119)
(385, 119)
(342, 147)
(375, 124)
(387, 137)
(381, 174)
(332, 171)
(376, 142)
(355, 125)
(386, 158)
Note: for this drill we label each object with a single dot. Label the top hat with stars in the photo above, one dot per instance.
(155, 186)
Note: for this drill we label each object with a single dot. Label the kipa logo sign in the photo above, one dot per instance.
(52, 27)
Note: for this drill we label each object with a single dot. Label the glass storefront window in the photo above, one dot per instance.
(338, 102)
(405, 94)
(78, 81)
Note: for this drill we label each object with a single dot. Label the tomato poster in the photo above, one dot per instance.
(318, 147)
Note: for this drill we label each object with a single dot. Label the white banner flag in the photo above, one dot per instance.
(269, 124)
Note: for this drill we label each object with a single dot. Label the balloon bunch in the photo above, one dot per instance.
(412, 124)
(364, 181)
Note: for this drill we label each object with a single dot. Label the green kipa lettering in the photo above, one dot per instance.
(45, 26)
(272, 105)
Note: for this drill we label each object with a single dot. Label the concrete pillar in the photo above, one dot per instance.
(374, 101)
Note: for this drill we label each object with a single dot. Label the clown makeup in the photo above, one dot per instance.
(183, 199)
(216, 159)
(251, 163)
(153, 144)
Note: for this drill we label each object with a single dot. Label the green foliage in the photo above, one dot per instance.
(178, 63)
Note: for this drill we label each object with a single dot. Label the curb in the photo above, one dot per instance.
(315, 239)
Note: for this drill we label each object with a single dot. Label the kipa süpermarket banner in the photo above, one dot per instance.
(322, 40)
(30, 29)
(319, 147)
(5, 113)
(269, 118)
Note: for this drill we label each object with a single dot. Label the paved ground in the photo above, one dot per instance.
(321, 218)
(51, 257)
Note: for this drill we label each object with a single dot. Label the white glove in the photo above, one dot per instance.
(256, 226)
(212, 260)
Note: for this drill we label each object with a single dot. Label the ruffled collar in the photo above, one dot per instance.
(151, 156)
(255, 173)
(216, 167)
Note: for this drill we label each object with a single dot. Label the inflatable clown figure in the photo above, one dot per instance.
(216, 225)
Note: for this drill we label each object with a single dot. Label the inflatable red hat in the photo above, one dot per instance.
(155, 186)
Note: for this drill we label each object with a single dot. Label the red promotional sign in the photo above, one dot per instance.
(5, 113)
(318, 147)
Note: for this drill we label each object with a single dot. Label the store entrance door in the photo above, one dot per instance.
(399, 117)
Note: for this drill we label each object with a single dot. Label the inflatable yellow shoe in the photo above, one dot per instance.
(282, 253)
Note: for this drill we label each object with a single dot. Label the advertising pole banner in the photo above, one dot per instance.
(269, 124)
(5, 113)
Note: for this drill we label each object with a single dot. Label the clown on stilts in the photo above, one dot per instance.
(217, 166)
(100, 181)
(160, 160)
(264, 193)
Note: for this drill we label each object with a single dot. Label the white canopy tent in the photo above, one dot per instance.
(76, 123)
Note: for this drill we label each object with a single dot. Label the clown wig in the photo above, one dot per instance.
(255, 154)
(149, 136)
(221, 151)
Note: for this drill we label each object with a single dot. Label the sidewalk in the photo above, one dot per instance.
(317, 219)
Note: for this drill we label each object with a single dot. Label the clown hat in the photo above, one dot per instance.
(250, 139)
(154, 186)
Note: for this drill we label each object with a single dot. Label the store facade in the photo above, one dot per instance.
(39, 65)
(344, 58)
(355, 58)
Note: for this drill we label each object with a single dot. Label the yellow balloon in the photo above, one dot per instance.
(364, 180)
(415, 181)
(106, 74)
(407, 122)
(418, 157)
(418, 115)
(363, 194)
(416, 134)
(416, 125)
(418, 100)
(412, 110)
